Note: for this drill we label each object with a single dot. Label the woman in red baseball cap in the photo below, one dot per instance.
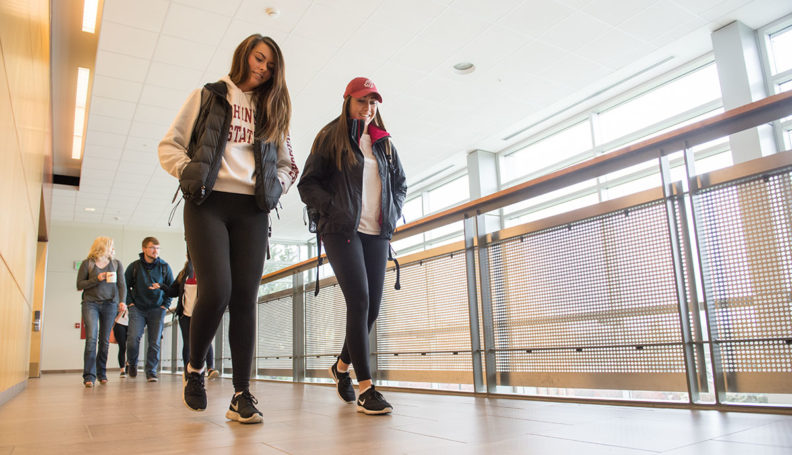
(354, 186)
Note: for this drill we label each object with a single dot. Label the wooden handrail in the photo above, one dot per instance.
(730, 122)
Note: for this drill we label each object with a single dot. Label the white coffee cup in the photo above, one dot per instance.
(110, 277)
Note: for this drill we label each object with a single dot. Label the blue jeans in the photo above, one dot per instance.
(138, 320)
(98, 317)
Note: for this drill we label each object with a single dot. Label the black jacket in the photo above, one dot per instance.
(207, 145)
(337, 196)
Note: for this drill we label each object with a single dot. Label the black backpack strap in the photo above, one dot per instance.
(391, 257)
(318, 260)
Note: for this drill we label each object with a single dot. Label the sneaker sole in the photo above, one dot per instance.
(255, 418)
(214, 374)
(373, 412)
(184, 383)
(335, 379)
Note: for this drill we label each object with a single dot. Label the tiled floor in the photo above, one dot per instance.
(56, 415)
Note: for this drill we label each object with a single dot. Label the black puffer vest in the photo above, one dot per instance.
(207, 144)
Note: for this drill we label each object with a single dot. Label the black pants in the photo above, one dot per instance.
(359, 265)
(227, 240)
(184, 325)
(120, 332)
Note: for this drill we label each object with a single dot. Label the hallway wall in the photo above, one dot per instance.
(25, 135)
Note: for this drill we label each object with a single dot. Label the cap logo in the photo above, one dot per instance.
(368, 83)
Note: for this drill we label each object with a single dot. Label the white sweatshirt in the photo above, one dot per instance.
(236, 174)
(371, 203)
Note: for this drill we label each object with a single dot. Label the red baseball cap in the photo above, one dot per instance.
(360, 87)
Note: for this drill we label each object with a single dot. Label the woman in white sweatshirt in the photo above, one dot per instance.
(230, 149)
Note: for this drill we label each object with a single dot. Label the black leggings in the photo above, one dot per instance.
(359, 265)
(184, 325)
(227, 239)
(120, 332)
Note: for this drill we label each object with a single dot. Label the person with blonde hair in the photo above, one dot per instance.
(101, 278)
(229, 147)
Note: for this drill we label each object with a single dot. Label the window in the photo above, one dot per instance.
(549, 153)
(448, 195)
(781, 50)
(683, 94)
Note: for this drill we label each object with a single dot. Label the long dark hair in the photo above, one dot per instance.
(334, 137)
(273, 104)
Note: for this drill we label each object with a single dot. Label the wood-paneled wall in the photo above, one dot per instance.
(25, 147)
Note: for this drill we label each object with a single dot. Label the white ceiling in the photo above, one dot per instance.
(533, 59)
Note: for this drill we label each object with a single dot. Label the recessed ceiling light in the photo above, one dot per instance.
(464, 68)
(90, 209)
(272, 12)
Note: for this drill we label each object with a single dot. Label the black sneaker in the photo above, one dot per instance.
(372, 402)
(152, 378)
(344, 384)
(131, 371)
(194, 392)
(243, 409)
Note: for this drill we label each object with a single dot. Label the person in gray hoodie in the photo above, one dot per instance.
(101, 278)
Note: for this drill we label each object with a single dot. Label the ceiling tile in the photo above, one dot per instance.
(127, 40)
(156, 131)
(103, 142)
(194, 24)
(615, 12)
(454, 29)
(164, 97)
(172, 76)
(575, 31)
(112, 108)
(142, 14)
(656, 21)
(221, 7)
(116, 89)
(535, 18)
(615, 49)
(290, 13)
(330, 23)
(120, 66)
(181, 52)
(489, 11)
(108, 124)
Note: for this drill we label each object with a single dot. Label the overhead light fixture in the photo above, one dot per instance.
(90, 10)
(90, 209)
(272, 12)
(464, 68)
(81, 100)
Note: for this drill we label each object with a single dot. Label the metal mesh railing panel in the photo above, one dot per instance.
(746, 253)
(428, 318)
(325, 326)
(275, 342)
(588, 297)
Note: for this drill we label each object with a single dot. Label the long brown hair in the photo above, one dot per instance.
(273, 104)
(334, 138)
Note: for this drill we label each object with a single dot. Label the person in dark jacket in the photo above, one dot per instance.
(101, 278)
(354, 181)
(230, 149)
(185, 289)
(147, 279)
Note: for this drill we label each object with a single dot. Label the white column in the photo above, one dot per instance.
(483, 180)
(740, 73)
